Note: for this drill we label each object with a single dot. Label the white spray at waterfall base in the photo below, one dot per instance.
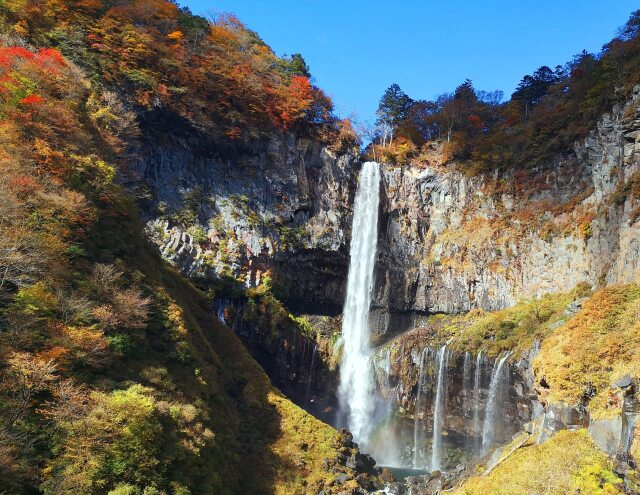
(356, 390)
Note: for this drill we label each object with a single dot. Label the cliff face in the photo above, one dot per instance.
(450, 243)
(284, 206)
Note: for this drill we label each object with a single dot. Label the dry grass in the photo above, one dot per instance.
(568, 463)
(598, 346)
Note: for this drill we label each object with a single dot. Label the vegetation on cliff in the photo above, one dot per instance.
(516, 328)
(568, 463)
(581, 361)
(215, 74)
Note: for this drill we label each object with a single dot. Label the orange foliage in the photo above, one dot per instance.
(219, 76)
(32, 100)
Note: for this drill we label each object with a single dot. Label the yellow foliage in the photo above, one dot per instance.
(512, 329)
(176, 36)
(304, 442)
(567, 464)
(598, 346)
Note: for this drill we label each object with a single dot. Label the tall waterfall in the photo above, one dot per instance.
(491, 413)
(356, 390)
(438, 409)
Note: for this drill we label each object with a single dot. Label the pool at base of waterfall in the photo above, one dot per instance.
(401, 473)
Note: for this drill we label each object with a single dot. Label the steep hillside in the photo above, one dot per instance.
(115, 376)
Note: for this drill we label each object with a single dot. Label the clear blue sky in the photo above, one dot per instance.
(357, 48)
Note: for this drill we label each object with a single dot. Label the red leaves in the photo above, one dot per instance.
(24, 186)
(300, 88)
(9, 54)
(234, 133)
(475, 122)
(46, 55)
(297, 99)
(32, 100)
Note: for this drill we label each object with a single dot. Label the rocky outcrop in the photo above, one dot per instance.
(450, 243)
(282, 207)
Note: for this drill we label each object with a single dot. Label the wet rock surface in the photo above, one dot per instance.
(352, 472)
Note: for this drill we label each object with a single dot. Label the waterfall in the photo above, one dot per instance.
(466, 373)
(310, 376)
(356, 390)
(491, 414)
(417, 438)
(382, 362)
(477, 383)
(438, 409)
(220, 311)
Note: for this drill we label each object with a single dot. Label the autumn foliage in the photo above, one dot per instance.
(113, 379)
(219, 76)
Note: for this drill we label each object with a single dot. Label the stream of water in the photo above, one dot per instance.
(357, 388)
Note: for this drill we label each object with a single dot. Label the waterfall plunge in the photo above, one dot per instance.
(417, 431)
(356, 390)
(477, 383)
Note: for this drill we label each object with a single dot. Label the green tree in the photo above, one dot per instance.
(392, 110)
(296, 65)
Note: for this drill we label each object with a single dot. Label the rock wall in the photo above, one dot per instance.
(283, 206)
(450, 243)
(406, 371)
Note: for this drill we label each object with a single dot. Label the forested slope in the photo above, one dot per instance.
(114, 377)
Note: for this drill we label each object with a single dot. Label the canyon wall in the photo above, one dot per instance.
(448, 243)
(453, 242)
(282, 206)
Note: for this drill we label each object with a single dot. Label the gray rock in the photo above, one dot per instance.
(606, 434)
(624, 382)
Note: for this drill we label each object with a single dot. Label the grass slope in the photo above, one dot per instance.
(567, 464)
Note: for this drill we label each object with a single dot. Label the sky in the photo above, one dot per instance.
(357, 48)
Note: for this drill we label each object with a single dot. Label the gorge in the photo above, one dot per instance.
(210, 283)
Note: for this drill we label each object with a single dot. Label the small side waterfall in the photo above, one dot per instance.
(477, 382)
(438, 409)
(310, 376)
(356, 390)
(491, 413)
(466, 371)
(417, 431)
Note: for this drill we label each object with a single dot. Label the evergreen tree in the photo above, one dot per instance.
(392, 110)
